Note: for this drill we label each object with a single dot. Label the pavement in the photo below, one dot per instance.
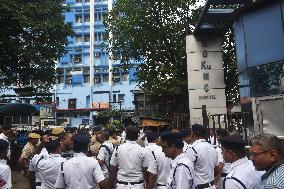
(19, 181)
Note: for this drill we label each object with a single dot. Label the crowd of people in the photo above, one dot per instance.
(141, 159)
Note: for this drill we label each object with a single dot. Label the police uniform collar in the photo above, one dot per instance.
(180, 156)
(4, 136)
(3, 162)
(151, 144)
(55, 155)
(131, 142)
(79, 154)
(239, 162)
(199, 140)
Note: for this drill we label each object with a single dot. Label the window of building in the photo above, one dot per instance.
(87, 18)
(105, 78)
(114, 97)
(78, 38)
(97, 79)
(87, 1)
(77, 59)
(72, 103)
(97, 70)
(86, 71)
(57, 101)
(120, 97)
(78, 19)
(68, 79)
(78, 1)
(124, 77)
(86, 79)
(86, 38)
(61, 79)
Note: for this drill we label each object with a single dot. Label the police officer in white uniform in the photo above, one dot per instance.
(204, 158)
(185, 134)
(35, 177)
(5, 171)
(50, 165)
(243, 174)
(105, 152)
(156, 161)
(223, 167)
(127, 162)
(81, 172)
(181, 175)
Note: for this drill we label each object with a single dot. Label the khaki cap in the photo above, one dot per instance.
(57, 130)
(34, 135)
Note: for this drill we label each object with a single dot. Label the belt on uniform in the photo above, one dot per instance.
(132, 183)
(206, 185)
(224, 174)
(38, 183)
(160, 184)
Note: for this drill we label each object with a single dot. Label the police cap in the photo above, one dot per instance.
(172, 138)
(232, 142)
(184, 133)
(57, 130)
(34, 135)
(152, 136)
(81, 138)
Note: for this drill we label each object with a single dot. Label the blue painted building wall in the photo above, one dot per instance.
(259, 41)
(77, 86)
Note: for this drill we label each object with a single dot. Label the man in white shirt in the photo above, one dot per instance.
(81, 172)
(243, 174)
(49, 166)
(5, 171)
(204, 157)
(181, 175)
(127, 162)
(223, 167)
(105, 152)
(6, 133)
(156, 161)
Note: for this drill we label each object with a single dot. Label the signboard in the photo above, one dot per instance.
(205, 77)
(85, 121)
(101, 105)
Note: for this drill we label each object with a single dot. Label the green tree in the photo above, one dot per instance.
(154, 32)
(32, 38)
(230, 68)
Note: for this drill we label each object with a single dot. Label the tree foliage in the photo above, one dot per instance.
(154, 32)
(32, 38)
(230, 68)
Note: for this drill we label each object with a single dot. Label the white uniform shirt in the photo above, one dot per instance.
(4, 137)
(205, 159)
(227, 166)
(185, 146)
(159, 165)
(129, 158)
(244, 171)
(105, 156)
(48, 169)
(123, 137)
(5, 174)
(33, 162)
(181, 176)
(80, 172)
